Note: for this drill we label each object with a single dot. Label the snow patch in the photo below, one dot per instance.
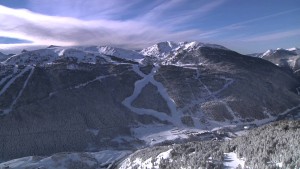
(294, 49)
(138, 163)
(267, 53)
(232, 161)
(279, 164)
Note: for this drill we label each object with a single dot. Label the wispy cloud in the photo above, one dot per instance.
(91, 9)
(267, 17)
(273, 36)
(45, 30)
(156, 12)
(70, 23)
(139, 23)
(173, 12)
(243, 24)
(17, 48)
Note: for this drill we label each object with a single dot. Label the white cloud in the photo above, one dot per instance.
(17, 48)
(46, 30)
(97, 22)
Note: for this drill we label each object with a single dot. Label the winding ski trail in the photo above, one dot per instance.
(176, 114)
(175, 117)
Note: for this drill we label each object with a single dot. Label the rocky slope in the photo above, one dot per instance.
(61, 99)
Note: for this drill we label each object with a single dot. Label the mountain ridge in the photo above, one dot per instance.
(288, 59)
(102, 101)
(90, 54)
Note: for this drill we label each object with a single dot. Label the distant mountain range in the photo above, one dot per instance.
(101, 98)
(285, 58)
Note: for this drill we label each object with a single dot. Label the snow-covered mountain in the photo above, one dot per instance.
(164, 49)
(164, 53)
(289, 51)
(285, 58)
(55, 54)
(121, 53)
(279, 52)
(180, 54)
(294, 49)
(76, 99)
(161, 49)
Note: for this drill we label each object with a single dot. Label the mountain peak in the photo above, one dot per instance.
(293, 49)
(53, 46)
(160, 49)
(268, 52)
(163, 49)
(92, 54)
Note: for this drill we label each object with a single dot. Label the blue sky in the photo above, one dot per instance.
(241, 25)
